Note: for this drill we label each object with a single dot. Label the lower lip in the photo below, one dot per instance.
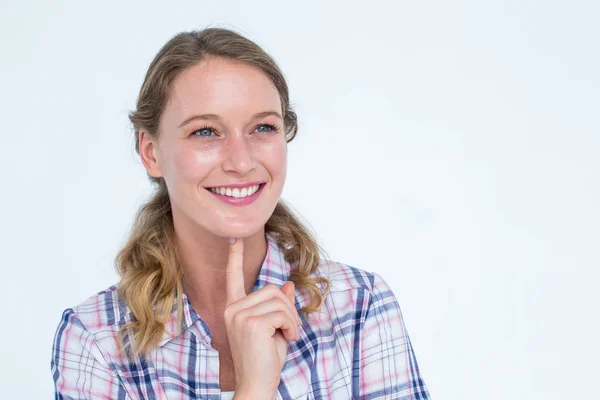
(238, 201)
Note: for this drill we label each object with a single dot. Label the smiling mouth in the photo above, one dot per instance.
(236, 192)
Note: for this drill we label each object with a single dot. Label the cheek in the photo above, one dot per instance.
(189, 163)
(275, 156)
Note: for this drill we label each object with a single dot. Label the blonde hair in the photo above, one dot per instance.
(148, 263)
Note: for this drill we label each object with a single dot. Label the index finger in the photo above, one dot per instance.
(234, 273)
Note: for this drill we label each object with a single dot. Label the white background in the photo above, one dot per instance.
(452, 147)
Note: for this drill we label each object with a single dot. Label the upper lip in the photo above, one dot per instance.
(237, 185)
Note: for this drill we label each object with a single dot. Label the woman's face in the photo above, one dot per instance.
(222, 127)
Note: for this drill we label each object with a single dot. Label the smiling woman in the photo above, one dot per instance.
(222, 288)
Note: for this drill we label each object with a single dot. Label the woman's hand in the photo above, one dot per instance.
(258, 327)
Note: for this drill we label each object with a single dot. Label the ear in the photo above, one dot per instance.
(149, 154)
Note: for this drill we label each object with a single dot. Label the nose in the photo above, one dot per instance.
(237, 155)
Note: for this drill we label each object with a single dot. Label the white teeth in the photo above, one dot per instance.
(237, 193)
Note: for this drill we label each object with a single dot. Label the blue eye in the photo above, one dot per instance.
(202, 130)
(270, 128)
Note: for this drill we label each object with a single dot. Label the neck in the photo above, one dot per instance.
(204, 259)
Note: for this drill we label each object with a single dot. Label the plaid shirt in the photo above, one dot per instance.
(357, 347)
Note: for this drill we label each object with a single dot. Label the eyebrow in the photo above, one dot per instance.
(218, 117)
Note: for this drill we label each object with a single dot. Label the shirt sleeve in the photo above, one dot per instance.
(386, 361)
(78, 368)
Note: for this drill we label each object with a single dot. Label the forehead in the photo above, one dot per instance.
(227, 88)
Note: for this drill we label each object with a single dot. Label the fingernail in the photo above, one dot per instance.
(231, 240)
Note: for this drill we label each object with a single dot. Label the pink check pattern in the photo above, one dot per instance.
(357, 347)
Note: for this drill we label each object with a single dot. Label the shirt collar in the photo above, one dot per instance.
(275, 269)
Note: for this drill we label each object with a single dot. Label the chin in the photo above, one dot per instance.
(240, 230)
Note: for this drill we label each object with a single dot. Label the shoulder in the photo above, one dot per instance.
(343, 277)
(99, 313)
(353, 289)
(88, 331)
